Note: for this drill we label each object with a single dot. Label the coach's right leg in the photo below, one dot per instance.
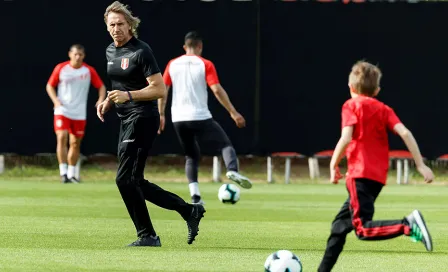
(340, 227)
(130, 149)
(145, 131)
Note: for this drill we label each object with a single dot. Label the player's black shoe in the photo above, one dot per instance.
(64, 179)
(74, 180)
(196, 199)
(150, 241)
(193, 222)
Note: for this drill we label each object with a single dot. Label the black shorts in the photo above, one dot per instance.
(207, 131)
(136, 138)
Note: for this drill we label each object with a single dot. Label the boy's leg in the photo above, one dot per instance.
(211, 131)
(340, 227)
(363, 193)
(186, 135)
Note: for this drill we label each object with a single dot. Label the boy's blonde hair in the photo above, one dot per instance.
(365, 78)
(118, 7)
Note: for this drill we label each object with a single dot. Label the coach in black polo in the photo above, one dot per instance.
(137, 84)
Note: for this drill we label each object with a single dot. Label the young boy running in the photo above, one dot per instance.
(365, 122)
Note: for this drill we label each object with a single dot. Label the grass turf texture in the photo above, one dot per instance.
(46, 226)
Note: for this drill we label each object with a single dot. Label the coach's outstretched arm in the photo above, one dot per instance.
(224, 99)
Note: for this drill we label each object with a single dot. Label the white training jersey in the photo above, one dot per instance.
(73, 86)
(189, 76)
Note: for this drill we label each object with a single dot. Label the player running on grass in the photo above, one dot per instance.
(365, 122)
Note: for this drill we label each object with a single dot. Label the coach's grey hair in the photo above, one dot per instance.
(118, 7)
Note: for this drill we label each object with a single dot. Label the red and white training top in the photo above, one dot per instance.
(73, 86)
(189, 75)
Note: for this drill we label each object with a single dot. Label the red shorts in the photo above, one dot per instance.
(75, 127)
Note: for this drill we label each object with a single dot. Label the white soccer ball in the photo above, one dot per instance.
(283, 261)
(229, 194)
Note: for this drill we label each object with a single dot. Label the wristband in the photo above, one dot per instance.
(130, 96)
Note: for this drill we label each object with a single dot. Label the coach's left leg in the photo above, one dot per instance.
(211, 131)
(363, 193)
(77, 128)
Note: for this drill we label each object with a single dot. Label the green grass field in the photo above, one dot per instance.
(46, 226)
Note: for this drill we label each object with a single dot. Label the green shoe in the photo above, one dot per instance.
(416, 233)
(419, 231)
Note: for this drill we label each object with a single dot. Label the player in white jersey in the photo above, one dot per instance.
(189, 76)
(72, 80)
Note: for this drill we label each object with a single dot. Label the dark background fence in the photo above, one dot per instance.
(284, 65)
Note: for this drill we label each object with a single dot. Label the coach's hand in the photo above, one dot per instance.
(426, 172)
(239, 119)
(118, 97)
(102, 109)
(162, 124)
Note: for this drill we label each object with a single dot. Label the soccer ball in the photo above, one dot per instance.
(229, 193)
(283, 261)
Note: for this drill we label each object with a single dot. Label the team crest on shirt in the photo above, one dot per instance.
(124, 63)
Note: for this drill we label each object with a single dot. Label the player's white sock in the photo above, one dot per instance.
(71, 171)
(77, 171)
(63, 169)
(194, 189)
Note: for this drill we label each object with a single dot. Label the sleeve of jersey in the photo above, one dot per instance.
(211, 76)
(166, 75)
(148, 62)
(54, 78)
(392, 119)
(95, 78)
(349, 117)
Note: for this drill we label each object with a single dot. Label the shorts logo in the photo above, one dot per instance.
(59, 123)
(124, 63)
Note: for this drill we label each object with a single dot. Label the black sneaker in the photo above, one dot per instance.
(196, 199)
(74, 180)
(419, 230)
(150, 241)
(64, 179)
(193, 222)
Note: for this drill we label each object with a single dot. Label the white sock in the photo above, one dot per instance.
(63, 169)
(194, 189)
(77, 171)
(71, 171)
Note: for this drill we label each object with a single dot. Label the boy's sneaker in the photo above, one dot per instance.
(419, 231)
(74, 180)
(196, 199)
(239, 179)
(150, 241)
(193, 222)
(64, 179)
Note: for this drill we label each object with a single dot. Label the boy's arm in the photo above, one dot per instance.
(339, 151)
(411, 144)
